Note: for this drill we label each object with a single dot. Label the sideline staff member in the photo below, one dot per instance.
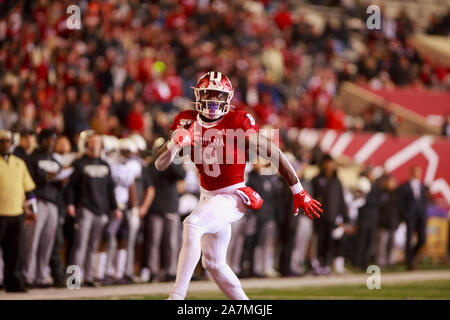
(91, 192)
(15, 185)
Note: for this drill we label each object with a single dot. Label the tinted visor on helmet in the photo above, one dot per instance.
(213, 103)
(213, 95)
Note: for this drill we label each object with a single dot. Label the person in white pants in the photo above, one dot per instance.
(207, 230)
(206, 131)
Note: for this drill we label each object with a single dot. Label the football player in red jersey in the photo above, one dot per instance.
(211, 133)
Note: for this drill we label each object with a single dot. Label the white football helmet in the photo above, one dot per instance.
(127, 144)
(110, 144)
(139, 141)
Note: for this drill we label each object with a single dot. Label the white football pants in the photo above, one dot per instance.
(207, 230)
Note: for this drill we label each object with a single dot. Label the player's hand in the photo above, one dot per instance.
(184, 137)
(304, 201)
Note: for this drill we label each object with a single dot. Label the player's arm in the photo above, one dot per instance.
(178, 139)
(302, 199)
(165, 154)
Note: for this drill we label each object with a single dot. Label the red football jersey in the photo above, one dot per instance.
(220, 159)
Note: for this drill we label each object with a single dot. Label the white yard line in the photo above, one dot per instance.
(205, 286)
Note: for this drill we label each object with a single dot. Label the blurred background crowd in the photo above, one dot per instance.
(110, 90)
(132, 64)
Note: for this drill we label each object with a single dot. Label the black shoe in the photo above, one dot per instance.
(261, 276)
(16, 289)
(91, 284)
(291, 274)
(411, 267)
(125, 280)
(249, 275)
(59, 284)
(168, 278)
(153, 278)
(108, 281)
(42, 286)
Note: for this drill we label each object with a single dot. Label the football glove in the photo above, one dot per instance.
(250, 197)
(309, 205)
(184, 137)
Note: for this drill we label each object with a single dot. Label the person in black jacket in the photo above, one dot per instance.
(163, 222)
(413, 201)
(388, 222)
(268, 187)
(57, 264)
(367, 224)
(26, 145)
(90, 198)
(328, 190)
(41, 235)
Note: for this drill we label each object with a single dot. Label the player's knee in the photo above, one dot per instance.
(192, 222)
(191, 234)
(212, 266)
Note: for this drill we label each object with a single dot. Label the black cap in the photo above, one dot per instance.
(326, 157)
(46, 133)
(26, 132)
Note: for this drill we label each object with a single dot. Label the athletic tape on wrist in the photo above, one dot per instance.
(296, 188)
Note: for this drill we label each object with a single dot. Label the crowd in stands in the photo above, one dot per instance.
(131, 65)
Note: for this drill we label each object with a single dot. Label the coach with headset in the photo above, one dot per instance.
(90, 198)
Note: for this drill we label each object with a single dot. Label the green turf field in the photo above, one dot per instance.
(413, 290)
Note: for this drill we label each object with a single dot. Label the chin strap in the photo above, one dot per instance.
(207, 124)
